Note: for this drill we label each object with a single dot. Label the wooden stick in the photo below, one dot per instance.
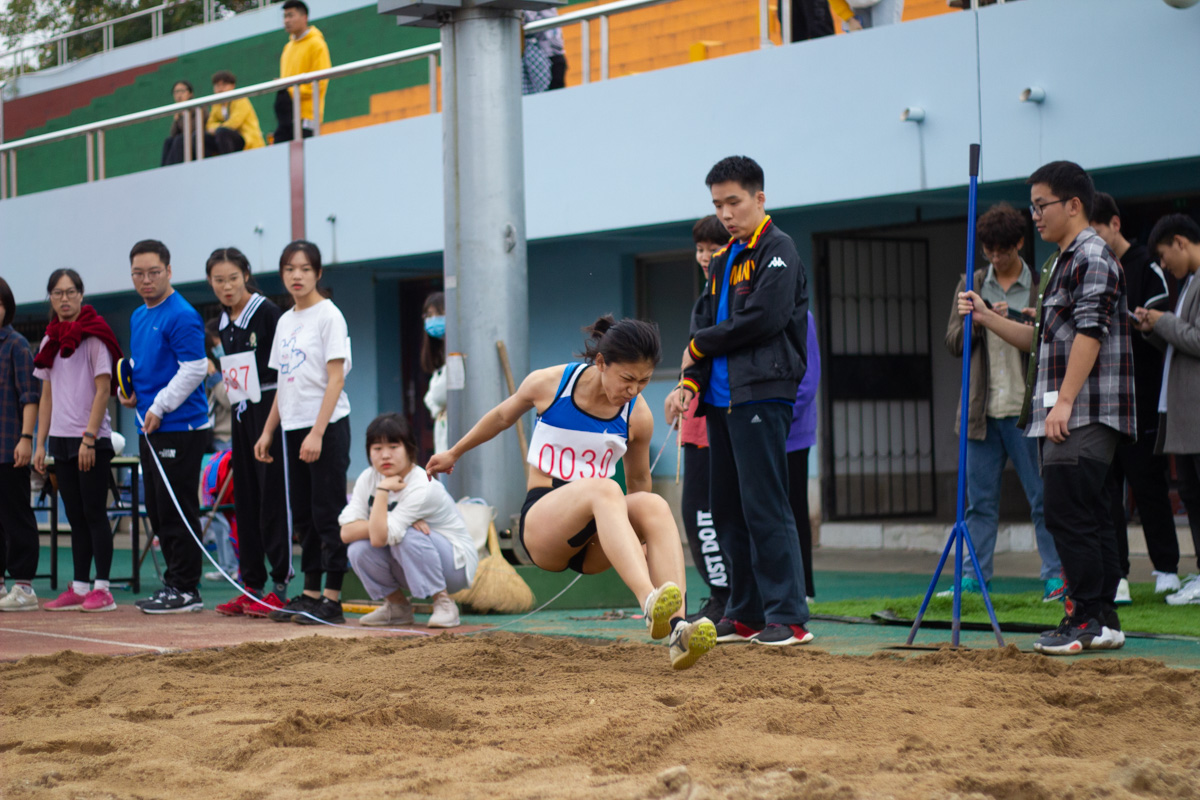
(512, 389)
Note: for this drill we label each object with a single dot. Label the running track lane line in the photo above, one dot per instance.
(89, 639)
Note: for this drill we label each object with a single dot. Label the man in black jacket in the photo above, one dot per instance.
(1136, 462)
(746, 357)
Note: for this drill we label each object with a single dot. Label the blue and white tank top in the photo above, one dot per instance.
(568, 443)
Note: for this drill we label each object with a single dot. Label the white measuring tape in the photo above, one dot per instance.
(171, 491)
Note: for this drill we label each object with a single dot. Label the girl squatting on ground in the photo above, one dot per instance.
(590, 415)
(404, 531)
(311, 353)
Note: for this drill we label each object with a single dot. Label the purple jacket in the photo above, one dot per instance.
(804, 413)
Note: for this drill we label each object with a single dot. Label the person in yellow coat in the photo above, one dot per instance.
(231, 126)
(306, 51)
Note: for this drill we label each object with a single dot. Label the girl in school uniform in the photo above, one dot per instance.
(590, 415)
(404, 531)
(247, 330)
(311, 352)
(75, 365)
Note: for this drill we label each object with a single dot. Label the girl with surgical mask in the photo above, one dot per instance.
(433, 362)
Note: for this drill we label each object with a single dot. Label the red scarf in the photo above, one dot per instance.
(63, 339)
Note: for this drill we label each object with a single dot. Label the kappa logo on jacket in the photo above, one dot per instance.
(777, 262)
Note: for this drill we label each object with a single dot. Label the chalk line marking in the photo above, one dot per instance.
(90, 639)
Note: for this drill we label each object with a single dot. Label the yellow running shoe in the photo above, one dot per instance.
(690, 640)
(660, 605)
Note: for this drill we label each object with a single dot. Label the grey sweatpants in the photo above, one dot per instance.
(422, 563)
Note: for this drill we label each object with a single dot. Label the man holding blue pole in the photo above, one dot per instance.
(1081, 404)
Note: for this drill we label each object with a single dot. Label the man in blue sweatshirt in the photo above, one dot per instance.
(166, 345)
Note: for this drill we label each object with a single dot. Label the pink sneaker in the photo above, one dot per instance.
(67, 601)
(99, 600)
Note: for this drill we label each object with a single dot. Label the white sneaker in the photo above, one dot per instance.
(1109, 639)
(690, 640)
(19, 598)
(1165, 582)
(1189, 593)
(1123, 598)
(445, 612)
(660, 606)
(390, 614)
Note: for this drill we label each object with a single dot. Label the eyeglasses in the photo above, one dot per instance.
(1036, 210)
(64, 294)
(152, 274)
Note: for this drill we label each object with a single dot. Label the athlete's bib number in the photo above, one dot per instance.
(568, 465)
(240, 374)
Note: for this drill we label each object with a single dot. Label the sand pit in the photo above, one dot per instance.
(518, 716)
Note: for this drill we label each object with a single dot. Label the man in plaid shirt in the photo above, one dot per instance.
(1082, 401)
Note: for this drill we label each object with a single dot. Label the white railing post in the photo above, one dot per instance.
(433, 87)
(764, 23)
(62, 51)
(297, 126)
(199, 133)
(316, 92)
(12, 173)
(91, 165)
(785, 24)
(3, 178)
(604, 48)
(187, 136)
(100, 154)
(585, 51)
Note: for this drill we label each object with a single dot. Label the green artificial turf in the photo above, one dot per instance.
(1148, 614)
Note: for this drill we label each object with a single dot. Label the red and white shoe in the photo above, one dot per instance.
(777, 635)
(237, 606)
(730, 631)
(262, 608)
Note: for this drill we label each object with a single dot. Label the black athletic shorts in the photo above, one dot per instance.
(579, 540)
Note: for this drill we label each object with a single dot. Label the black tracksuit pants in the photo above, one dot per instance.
(797, 461)
(180, 453)
(18, 525)
(317, 492)
(261, 499)
(749, 495)
(698, 523)
(85, 497)
(1146, 473)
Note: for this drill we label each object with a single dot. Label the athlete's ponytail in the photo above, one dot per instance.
(630, 341)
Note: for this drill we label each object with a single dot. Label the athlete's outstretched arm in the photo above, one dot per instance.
(637, 456)
(538, 386)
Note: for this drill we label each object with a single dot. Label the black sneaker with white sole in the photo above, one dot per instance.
(174, 601)
(778, 635)
(1072, 636)
(325, 610)
(713, 608)
(156, 597)
(299, 604)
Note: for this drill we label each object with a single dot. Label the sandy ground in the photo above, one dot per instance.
(521, 716)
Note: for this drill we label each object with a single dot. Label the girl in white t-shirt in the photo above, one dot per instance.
(311, 352)
(405, 531)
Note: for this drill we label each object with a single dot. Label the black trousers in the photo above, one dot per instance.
(797, 461)
(1078, 516)
(558, 72)
(749, 495)
(1146, 473)
(85, 497)
(180, 453)
(18, 527)
(283, 118)
(1188, 467)
(698, 523)
(318, 494)
(261, 499)
(218, 143)
(810, 19)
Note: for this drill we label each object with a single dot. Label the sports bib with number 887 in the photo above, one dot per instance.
(239, 371)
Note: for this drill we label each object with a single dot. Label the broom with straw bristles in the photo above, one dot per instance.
(497, 586)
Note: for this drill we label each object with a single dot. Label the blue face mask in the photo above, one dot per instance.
(218, 351)
(435, 327)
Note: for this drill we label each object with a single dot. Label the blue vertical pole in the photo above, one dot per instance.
(960, 538)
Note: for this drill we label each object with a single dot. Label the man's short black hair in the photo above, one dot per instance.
(300, 4)
(709, 230)
(151, 246)
(1172, 225)
(1067, 179)
(743, 169)
(224, 76)
(1104, 208)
